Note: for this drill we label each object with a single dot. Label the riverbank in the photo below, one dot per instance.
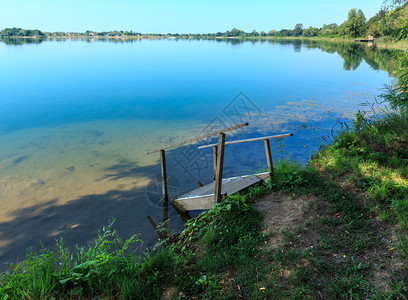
(336, 228)
(381, 42)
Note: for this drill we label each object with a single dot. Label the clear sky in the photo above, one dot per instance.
(182, 16)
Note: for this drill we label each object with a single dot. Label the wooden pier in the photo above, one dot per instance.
(205, 196)
(370, 41)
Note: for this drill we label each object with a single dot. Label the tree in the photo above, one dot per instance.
(329, 30)
(234, 33)
(298, 30)
(385, 23)
(10, 32)
(311, 31)
(285, 32)
(272, 33)
(372, 24)
(390, 4)
(254, 33)
(355, 25)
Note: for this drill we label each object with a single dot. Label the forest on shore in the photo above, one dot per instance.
(386, 21)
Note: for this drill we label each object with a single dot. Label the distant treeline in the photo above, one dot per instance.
(18, 32)
(356, 25)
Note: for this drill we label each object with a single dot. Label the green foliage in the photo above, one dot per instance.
(355, 25)
(311, 31)
(18, 32)
(298, 30)
(329, 30)
(386, 23)
(107, 268)
(372, 154)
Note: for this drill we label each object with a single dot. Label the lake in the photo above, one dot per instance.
(77, 116)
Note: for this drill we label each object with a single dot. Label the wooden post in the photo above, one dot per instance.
(220, 164)
(184, 215)
(155, 227)
(215, 160)
(164, 190)
(268, 156)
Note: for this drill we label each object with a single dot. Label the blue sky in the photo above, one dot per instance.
(182, 16)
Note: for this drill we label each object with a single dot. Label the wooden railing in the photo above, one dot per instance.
(162, 151)
(267, 150)
(218, 153)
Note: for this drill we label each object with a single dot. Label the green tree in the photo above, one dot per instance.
(311, 31)
(298, 30)
(355, 25)
(386, 22)
(329, 30)
(234, 33)
(272, 33)
(285, 32)
(7, 32)
(254, 33)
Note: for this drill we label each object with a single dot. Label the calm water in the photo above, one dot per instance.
(76, 118)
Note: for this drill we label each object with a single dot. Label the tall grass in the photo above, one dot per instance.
(107, 268)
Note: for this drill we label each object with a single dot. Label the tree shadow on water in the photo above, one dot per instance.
(79, 220)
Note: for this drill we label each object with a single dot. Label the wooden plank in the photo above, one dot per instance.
(201, 137)
(229, 187)
(220, 165)
(250, 140)
(268, 156)
(263, 176)
(205, 190)
(235, 185)
(209, 188)
(260, 175)
(194, 203)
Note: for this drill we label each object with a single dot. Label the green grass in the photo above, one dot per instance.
(104, 270)
(373, 157)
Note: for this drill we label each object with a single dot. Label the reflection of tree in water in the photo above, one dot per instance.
(385, 59)
(232, 41)
(353, 56)
(20, 41)
(352, 53)
(297, 45)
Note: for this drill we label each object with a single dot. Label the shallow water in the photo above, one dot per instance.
(76, 118)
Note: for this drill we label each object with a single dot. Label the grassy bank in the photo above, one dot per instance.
(381, 42)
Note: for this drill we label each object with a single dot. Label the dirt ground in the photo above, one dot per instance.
(281, 212)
